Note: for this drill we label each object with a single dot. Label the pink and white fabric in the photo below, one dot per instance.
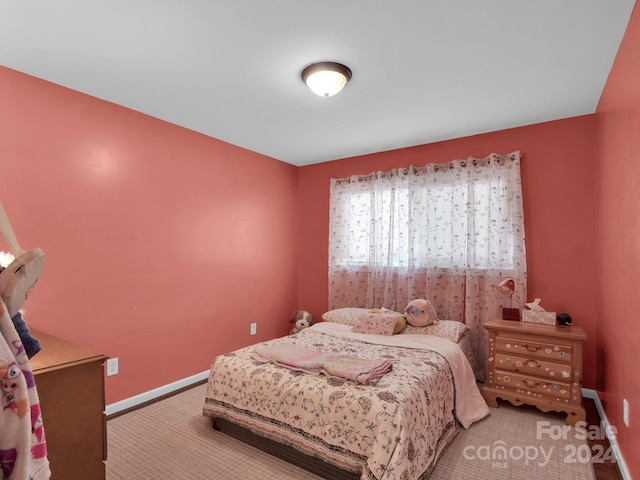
(23, 449)
(295, 357)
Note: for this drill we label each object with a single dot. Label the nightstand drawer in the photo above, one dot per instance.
(533, 384)
(533, 366)
(531, 348)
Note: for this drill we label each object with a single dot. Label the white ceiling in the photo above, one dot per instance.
(423, 70)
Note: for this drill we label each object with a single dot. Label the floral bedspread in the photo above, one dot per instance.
(393, 430)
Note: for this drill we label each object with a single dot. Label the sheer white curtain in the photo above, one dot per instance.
(445, 232)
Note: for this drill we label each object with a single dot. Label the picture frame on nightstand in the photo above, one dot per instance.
(511, 314)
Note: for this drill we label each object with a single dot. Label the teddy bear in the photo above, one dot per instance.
(301, 320)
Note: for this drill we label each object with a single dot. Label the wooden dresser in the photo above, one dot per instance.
(70, 383)
(535, 364)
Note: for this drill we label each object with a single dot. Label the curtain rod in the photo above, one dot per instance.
(436, 166)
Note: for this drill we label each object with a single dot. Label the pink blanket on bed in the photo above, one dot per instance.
(294, 357)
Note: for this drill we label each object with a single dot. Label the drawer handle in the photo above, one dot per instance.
(526, 345)
(530, 383)
(531, 361)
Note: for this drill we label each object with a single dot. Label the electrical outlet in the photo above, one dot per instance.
(112, 366)
(625, 411)
(254, 328)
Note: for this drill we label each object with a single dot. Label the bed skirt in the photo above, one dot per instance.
(287, 453)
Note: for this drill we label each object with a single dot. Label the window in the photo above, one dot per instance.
(414, 219)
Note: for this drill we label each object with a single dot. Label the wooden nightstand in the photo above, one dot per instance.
(70, 383)
(534, 364)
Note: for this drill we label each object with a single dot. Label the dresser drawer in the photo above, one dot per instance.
(529, 383)
(532, 348)
(533, 366)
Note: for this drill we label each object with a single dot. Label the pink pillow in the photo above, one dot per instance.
(345, 315)
(420, 313)
(375, 323)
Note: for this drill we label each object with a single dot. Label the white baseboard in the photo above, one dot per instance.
(593, 394)
(155, 393)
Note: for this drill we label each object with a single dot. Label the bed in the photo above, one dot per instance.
(337, 428)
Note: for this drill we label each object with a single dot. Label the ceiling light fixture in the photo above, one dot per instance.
(326, 78)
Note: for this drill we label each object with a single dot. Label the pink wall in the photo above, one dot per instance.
(618, 252)
(162, 245)
(559, 201)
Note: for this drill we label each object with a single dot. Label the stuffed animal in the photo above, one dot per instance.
(420, 313)
(301, 320)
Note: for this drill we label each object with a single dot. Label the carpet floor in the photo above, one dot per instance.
(172, 439)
